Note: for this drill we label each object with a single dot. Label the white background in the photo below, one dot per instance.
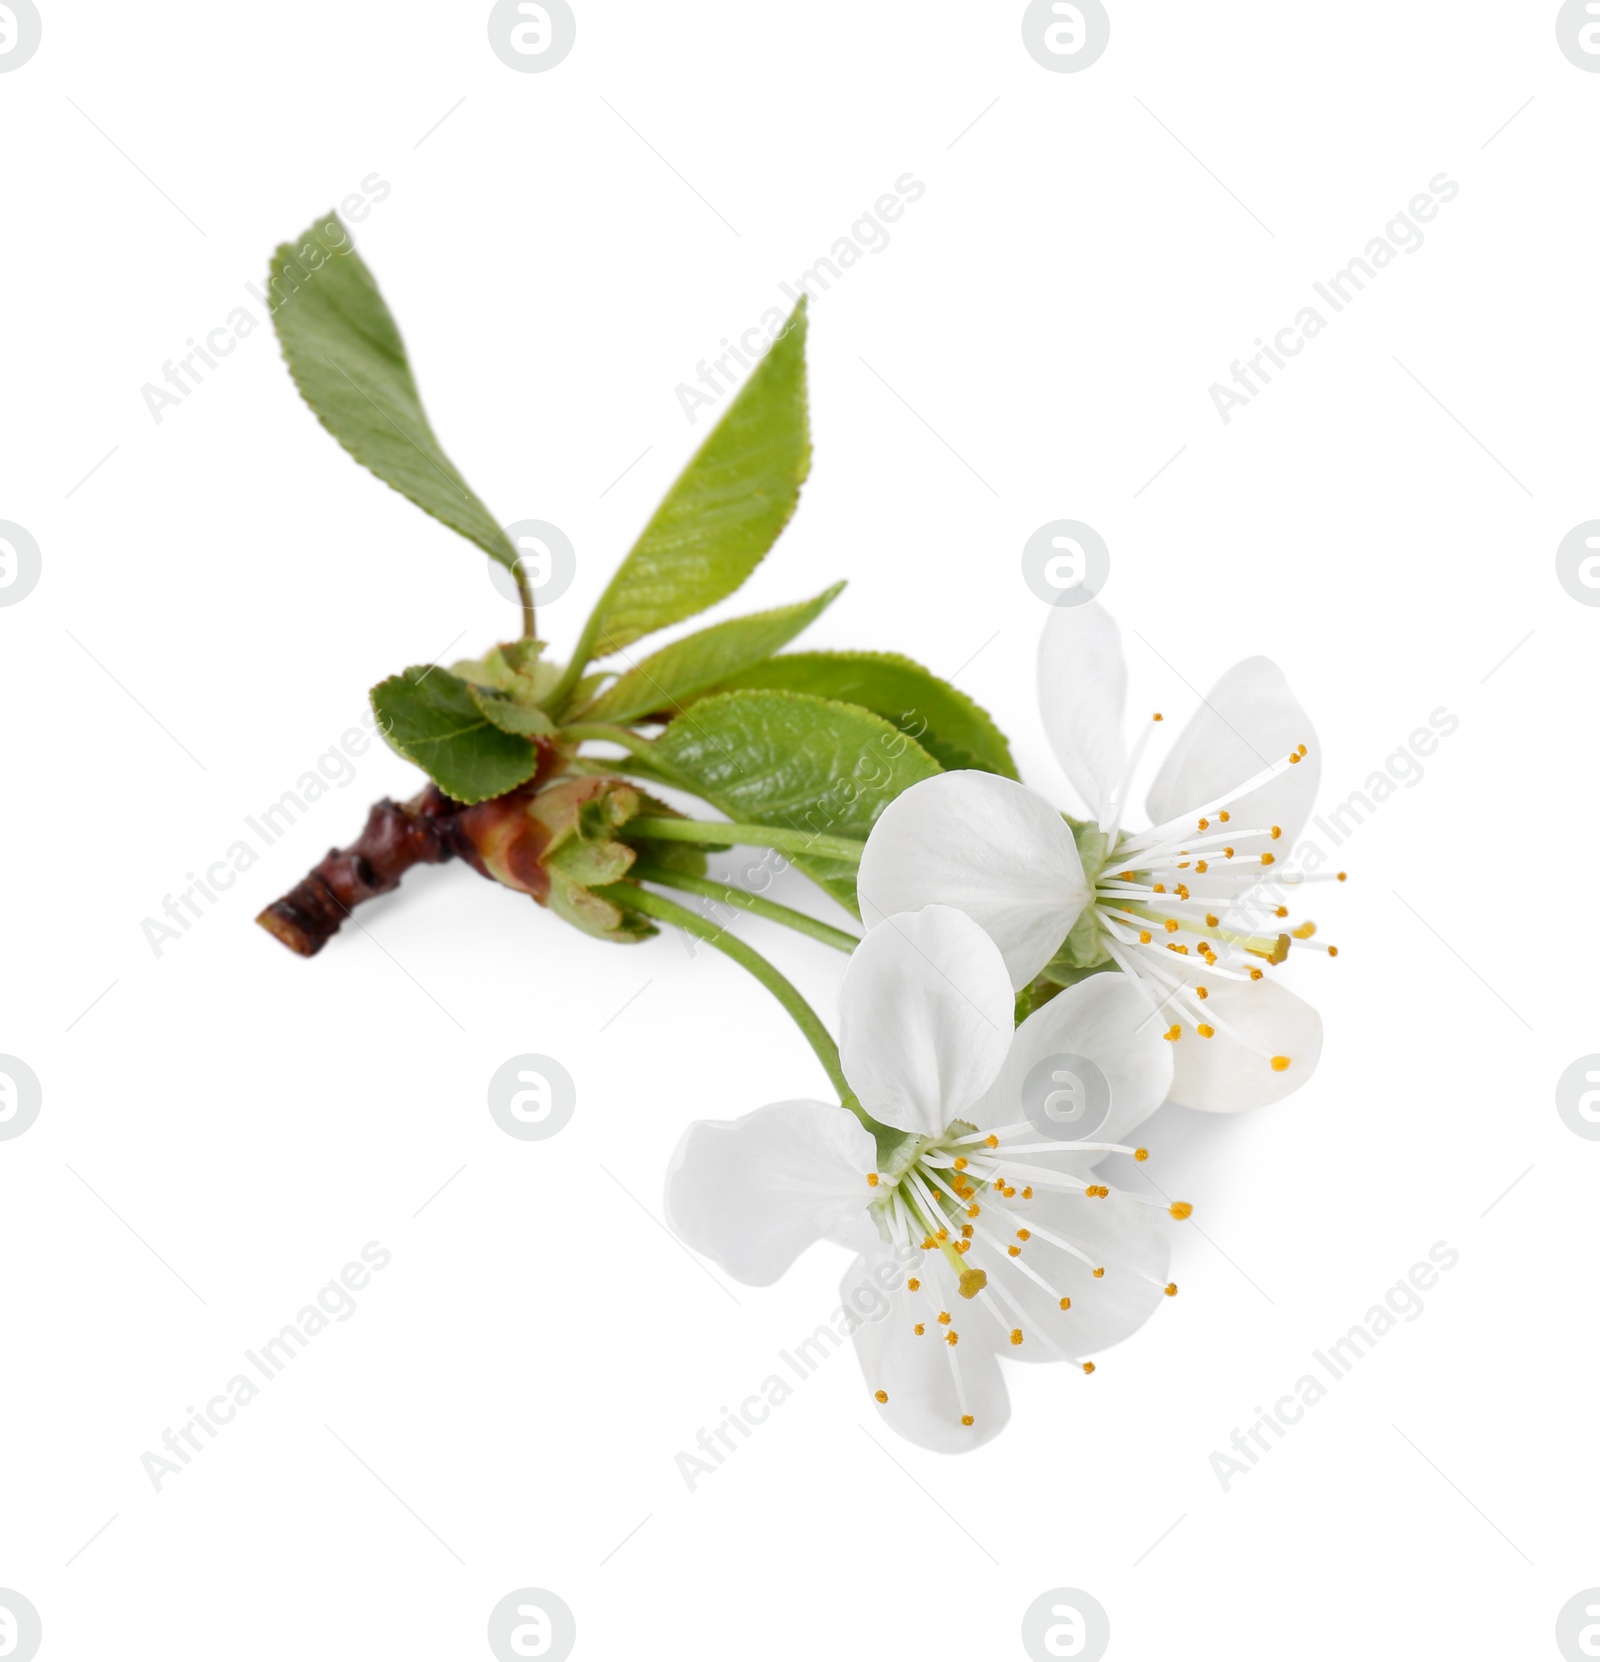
(218, 595)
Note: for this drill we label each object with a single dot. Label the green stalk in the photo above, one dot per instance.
(726, 834)
(657, 906)
(646, 872)
(604, 732)
(530, 626)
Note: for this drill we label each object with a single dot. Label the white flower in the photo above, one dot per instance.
(1189, 910)
(1014, 1247)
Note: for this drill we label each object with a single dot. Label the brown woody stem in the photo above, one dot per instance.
(397, 837)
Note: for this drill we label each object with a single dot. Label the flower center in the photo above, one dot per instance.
(1198, 900)
(969, 1201)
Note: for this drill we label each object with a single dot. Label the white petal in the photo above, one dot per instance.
(916, 1373)
(1131, 1242)
(1249, 720)
(1223, 1074)
(925, 1017)
(1083, 691)
(1107, 1021)
(753, 1193)
(987, 846)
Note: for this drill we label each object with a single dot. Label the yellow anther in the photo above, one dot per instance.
(1280, 1064)
(1156, 716)
(872, 1180)
(1333, 952)
(991, 1141)
(1303, 931)
(1212, 920)
(1343, 875)
(1014, 1251)
(952, 1338)
(1027, 1194)
(1023, 1234)
(1141, 1154)
(1224, 816)
(1227, 854)
(1088, 1367)
(1205, 825)
(913, 1284)
(1160, 888)
(919, 1330)
(1171, 926)
(1180, 1209)
(1202, 992)
(1201, 867)
(1206, 1031)
(1172, 1289)
(966, 1419)
(1174, 1033)
(973, 1210)
(1269, 859)
(1066, 1304)
(1144, 937)
(944, 1316)
(972, 1283)
(1255, 974)
(1277, 831)
(880, 1396)
(1016, 1335)
(1099, 1273)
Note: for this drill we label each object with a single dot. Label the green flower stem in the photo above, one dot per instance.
(729, 895)
(530, 627)
(805, 1018)
(726, 834)
(604, 732)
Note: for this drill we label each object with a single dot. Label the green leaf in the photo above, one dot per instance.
(725, 510)
(515, 670)
(346, 356)
(527, 721)
(431, 717)
(788, 759)
(700, 661)
(943, 720)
